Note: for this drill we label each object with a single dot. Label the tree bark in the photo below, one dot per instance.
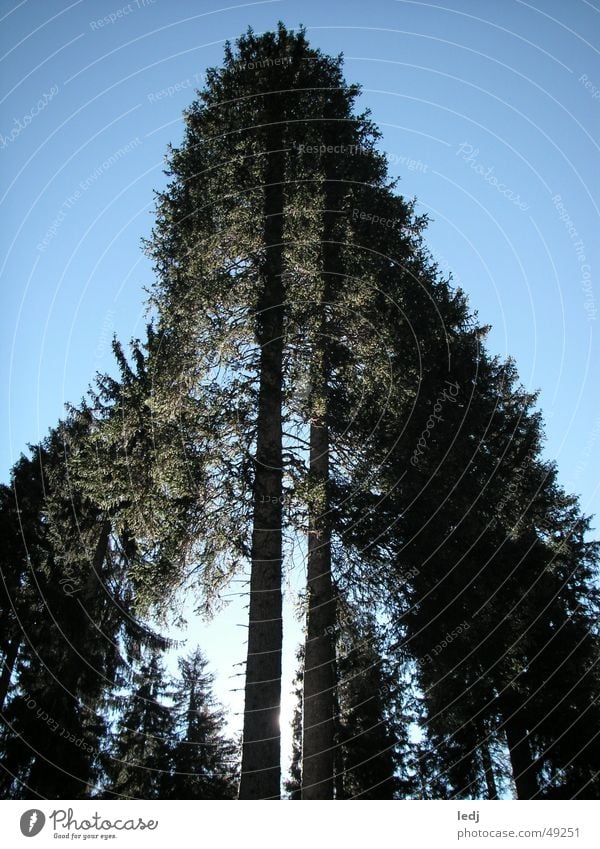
(318, 742)
(523, 767)
(261, 771)
(319, 672)
(486, 760)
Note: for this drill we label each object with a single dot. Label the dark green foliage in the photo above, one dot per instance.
(70, 608)
(372, 741)
(139, 762)
(293, 784)
(306, 372)
(204, 760)
(499, 594)
(168, 741)
(372, 751)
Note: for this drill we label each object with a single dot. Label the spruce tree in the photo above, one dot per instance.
(204, 759)
(231, 302)
(499, 559)
(411, 461)
(72, 607)
(138, 764)
(372, 742)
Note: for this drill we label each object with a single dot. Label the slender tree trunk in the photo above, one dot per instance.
(339, 754)
(96, 572)
(486, 759)
(261, 771)
(523, 767)
(319, 671)
(10, 656)
(318, 743)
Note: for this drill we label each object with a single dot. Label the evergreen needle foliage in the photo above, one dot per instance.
(309, 374)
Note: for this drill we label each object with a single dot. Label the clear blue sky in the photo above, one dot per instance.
(490, 109)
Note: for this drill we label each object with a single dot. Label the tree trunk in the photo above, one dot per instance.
(339, 759)
(261, 771)
(523, 767)
(319, 671)
(10, 656)
(318, 743)
(95, 576)
(488, 769)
